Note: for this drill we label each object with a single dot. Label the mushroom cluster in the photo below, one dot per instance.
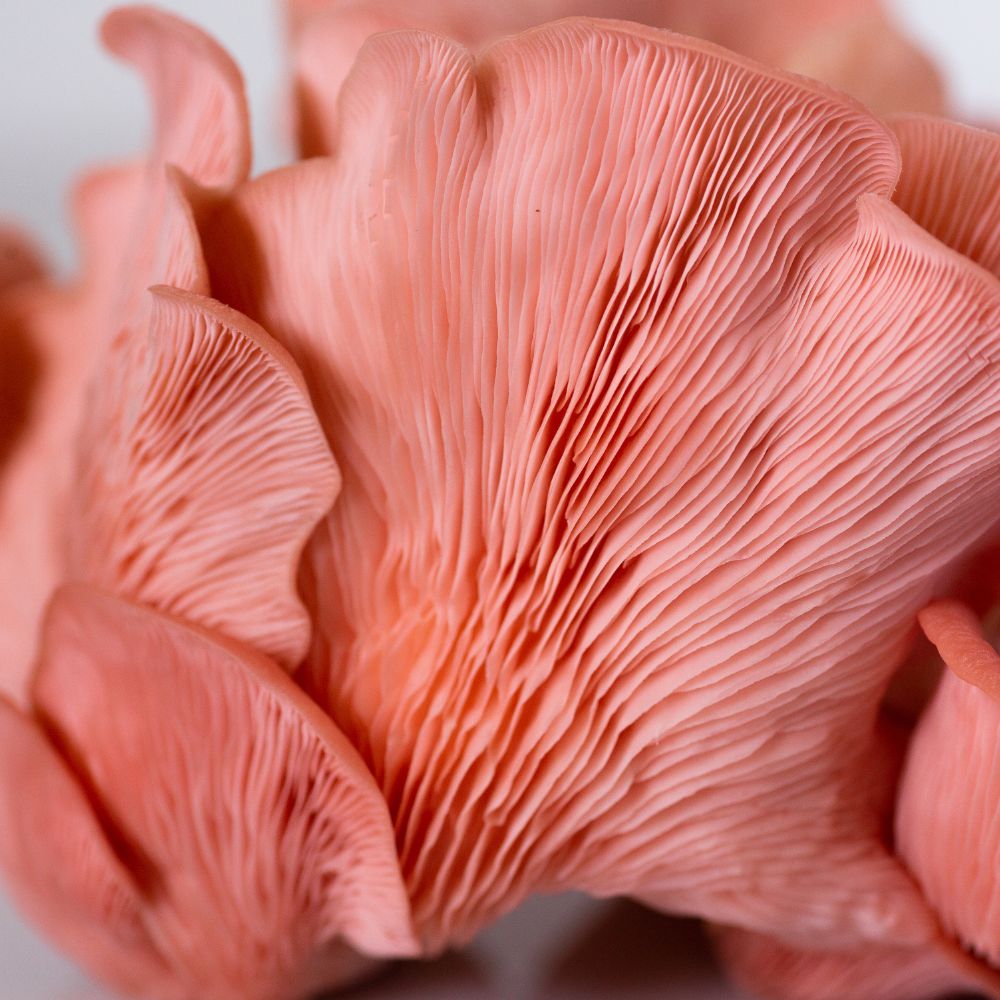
(549, 482)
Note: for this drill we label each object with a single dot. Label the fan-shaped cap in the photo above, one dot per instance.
(852, 44)
(659, 423)
(250, 845)
(945, 821)
(202, 471)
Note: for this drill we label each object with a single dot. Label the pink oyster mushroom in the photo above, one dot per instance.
(852, 44)
(630, 466)
(658, 422)
(175, 850)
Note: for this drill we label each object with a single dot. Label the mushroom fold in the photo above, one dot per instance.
(202, 472)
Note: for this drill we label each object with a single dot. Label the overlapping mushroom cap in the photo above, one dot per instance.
(658, 424)
(197, 827)
(851, 44)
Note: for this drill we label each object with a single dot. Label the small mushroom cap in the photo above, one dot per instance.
(202, 471)
(219, 837)
(945, 822)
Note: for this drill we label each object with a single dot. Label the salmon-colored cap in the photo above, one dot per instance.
(195, 826)
(658, 424)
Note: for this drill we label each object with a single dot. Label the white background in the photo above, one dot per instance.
(65, 105)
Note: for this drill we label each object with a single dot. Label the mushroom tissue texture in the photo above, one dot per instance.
(536, 488)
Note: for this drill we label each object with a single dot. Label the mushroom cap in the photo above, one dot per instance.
(658, 424)
(202, 470)
(945, 824)
(197, 827)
